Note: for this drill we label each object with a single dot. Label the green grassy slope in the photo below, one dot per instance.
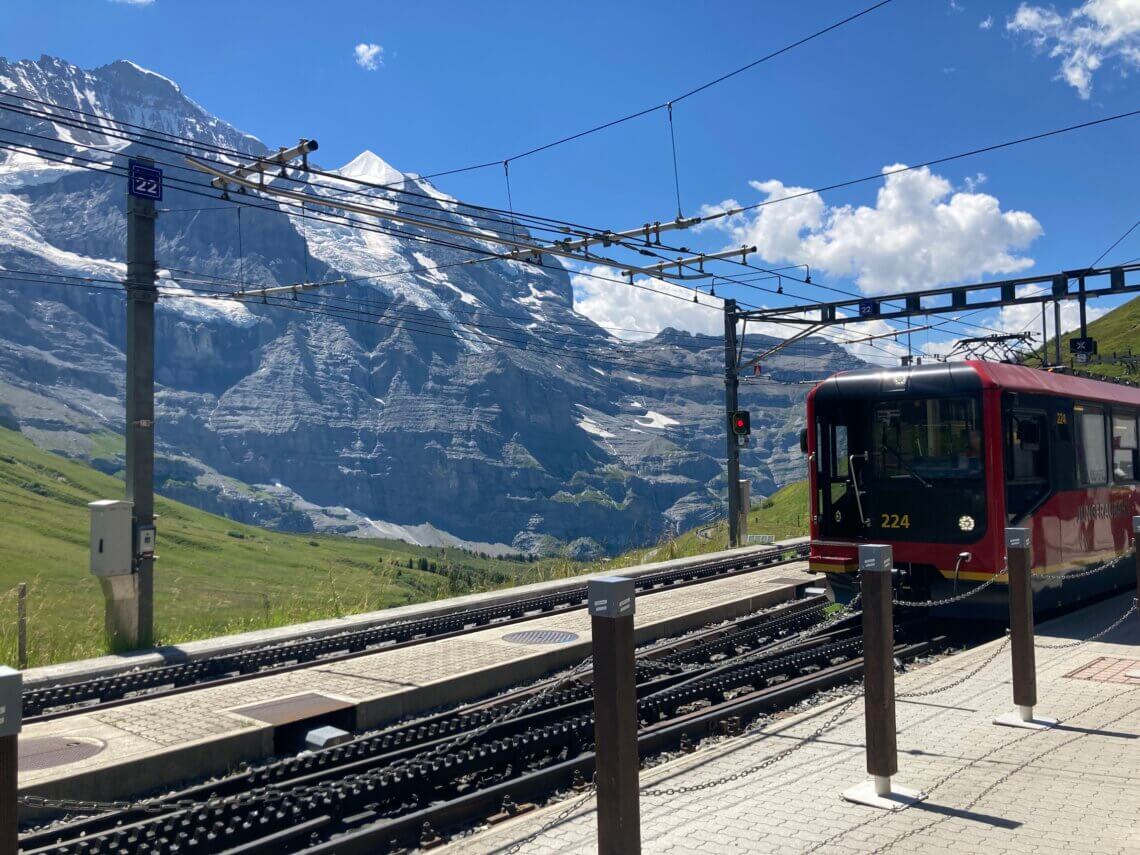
(1116, 332)
(783, 514)
(212, 576)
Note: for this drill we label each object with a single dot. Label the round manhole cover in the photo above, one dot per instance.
(46, 752)
(541, 636)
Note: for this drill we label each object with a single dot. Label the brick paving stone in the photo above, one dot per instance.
(992, 790)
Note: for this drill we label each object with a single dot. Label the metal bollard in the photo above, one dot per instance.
(11, 715)
(1019, 560)
(875, 566)
(611, 605)
(1136, 550)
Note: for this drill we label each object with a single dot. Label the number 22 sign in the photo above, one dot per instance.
(144, 182)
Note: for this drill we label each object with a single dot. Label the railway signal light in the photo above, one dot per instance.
(742, 423)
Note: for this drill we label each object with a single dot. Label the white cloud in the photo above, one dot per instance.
(369, 56)
(612, 302)
(1085, 39)
(920, 233)
(986, 22)
(133, 2)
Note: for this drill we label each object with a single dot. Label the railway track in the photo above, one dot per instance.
(409, 784)
(45, 702)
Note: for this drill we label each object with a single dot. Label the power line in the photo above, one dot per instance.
(937, 161)
(1116, 243)
(645, 112)
(348, 221)
(634, 247)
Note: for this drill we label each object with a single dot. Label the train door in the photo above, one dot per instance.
(1026, 462)
(840, 470)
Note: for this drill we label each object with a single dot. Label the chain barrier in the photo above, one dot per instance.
(1064, 577)
(1067, 644)
(926, 693)
(1092, 571)
(957, 598)
(763, 764)
(572, 806)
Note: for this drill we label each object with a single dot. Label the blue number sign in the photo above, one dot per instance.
(145, 182)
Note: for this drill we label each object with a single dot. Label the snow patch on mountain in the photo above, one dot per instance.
(653, 419)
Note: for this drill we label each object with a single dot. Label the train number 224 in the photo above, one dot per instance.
(895, 521)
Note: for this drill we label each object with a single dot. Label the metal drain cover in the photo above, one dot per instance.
(297, 708)
(1108, 669)
(46, 752)
(541, 636)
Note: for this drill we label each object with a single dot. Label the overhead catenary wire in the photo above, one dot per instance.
(1116, 243)
(726, 278)
(103, 167)
(780, 290)
(653, 109)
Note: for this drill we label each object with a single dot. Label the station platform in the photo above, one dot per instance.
(991, 790)
(139, 747)
(191, 651)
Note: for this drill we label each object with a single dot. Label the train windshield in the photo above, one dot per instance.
(926, 440)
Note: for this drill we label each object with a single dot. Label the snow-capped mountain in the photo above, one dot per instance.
(449, 403)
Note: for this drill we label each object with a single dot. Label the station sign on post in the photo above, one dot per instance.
(876, 563)
(611, 607)
(11, 716)
(1082, 348)
(144, 181)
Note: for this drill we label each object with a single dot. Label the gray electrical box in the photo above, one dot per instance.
(11, 701)
(111, 537)
(610, 596)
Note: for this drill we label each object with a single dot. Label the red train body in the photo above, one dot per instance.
(938, 459)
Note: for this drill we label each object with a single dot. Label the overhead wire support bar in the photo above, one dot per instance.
(370, 211)
(279, 159)
(915, 302)
(699, 260)
(649, 232)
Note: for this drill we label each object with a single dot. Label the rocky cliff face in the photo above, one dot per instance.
(421, 398)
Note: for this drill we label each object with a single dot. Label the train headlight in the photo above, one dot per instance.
(966, 523)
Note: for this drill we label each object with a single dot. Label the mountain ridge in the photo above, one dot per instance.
(421, 391)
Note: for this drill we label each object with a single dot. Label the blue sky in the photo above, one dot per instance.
(457, 83)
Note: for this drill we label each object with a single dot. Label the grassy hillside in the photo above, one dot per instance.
(212, 575)
(783, 514)
(1116, 332)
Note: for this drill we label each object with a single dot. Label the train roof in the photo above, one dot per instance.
(964, 377)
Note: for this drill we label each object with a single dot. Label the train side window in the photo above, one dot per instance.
(1025, 444)
(840, 460)
(1124, 447)
(1092, 453)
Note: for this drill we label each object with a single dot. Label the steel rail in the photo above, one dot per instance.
(515, 740)
(57, 701)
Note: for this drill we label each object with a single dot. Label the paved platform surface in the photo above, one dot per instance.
(82, 669)
(150, 743)
(991, 790)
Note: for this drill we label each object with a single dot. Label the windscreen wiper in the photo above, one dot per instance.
(903, 464)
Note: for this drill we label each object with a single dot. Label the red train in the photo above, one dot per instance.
(937, 460)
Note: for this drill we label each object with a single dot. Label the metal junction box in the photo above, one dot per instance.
(111, 537)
